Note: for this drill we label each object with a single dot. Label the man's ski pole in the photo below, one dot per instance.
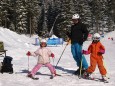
(81, 66)
(61, 55)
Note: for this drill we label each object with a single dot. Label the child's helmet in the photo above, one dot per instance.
(96, 36)
(43, 40)
(75, 16)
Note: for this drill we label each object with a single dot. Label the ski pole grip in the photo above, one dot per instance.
(28, 53)
(52, 55)
(68, 42)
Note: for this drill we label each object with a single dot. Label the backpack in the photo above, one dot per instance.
(6, 65)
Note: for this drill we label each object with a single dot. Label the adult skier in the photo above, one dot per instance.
(78, 35)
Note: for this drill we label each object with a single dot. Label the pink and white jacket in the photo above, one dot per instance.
(43, 54)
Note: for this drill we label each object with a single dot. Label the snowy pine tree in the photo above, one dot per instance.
(21, 17)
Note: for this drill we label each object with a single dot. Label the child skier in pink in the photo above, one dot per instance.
(44, 55)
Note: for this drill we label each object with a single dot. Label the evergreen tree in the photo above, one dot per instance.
(1, 12)
(4, 14)
(54, 16)
(32, 7)
(21, 17)
(39, 31)
(63, 19)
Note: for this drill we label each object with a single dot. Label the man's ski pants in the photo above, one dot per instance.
(76, 50)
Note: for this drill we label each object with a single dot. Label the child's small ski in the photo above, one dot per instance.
(34, 78)
(55, 76)
(51, 77)
(101, 80)
(58, 74)
(97, 79)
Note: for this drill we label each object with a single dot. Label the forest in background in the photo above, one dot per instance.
(54, 16)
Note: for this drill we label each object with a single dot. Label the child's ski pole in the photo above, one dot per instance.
(28, 63)
(28, 54)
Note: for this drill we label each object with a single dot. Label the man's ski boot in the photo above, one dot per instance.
(77, 72)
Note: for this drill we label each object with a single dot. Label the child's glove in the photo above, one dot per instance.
(52, 55)
(85, 52)
(28, 53)
(101, 51)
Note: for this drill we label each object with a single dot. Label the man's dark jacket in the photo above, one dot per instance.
(79, 33)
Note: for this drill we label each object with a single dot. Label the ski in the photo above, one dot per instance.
(58, 75)
(79, 76)
(34, 78)
(101, 80)
(97, 79)
(51, 77)
(55, 76)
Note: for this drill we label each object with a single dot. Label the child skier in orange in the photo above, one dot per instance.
(96, 49)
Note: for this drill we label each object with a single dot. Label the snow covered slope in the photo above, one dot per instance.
(18, 45)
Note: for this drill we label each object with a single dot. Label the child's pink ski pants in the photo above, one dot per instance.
(38, 66)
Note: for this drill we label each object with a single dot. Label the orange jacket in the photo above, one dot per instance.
(94, 50)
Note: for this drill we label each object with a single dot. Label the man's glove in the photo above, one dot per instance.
(68, 41)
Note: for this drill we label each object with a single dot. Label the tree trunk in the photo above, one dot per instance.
(30, 26)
